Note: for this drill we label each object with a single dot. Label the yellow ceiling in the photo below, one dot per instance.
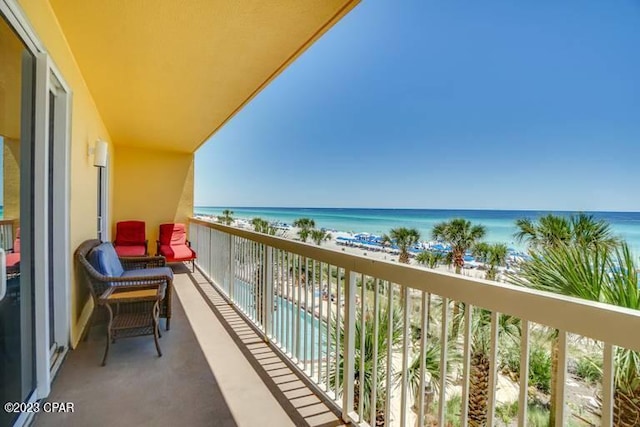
(168, 74)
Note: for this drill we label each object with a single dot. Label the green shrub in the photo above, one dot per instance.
(539, 366)
(589, 369)
(452, 411)
(510, 360)
(540, 369)
(454, 408)
(507, 411)
(537, 417)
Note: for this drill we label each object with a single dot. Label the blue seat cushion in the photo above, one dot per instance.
(148, 272)
(105, 260)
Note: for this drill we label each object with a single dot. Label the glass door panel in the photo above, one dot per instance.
(17, 355)
(50, 220)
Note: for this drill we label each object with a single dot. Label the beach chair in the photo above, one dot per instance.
(130, 239)
(173, 244)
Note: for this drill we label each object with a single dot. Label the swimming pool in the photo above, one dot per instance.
(310, 331)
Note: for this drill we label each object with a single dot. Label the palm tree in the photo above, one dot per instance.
(598, 274)
(554, 230)
(430, 259)
(461, 235)
(550, 230)
(263, 226)
(508, 329)
(365, 379)
(581, 232)
(305, 226)
(226, 217)
(623, 291)
(319, 236)
(493, 255)
(404, 238)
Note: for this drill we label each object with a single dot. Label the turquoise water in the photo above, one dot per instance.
(284, 311)
(500, 224)
(305, 331)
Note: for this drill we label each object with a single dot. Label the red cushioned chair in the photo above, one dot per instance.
(13, 257)
(131, 239)
(173, 244)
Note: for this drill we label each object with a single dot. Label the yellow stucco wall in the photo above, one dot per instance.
(10, 77)
(11, 178)
(86, 127)
(154, 186)
(10, 107)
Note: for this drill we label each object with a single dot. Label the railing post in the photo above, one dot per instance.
(232, 263)
(608, 381)
(561, 378)
(349, 344)
(444, 355)
(466, 365)
(268, 293)
(493, 373)
(524, 374)
(211, 251)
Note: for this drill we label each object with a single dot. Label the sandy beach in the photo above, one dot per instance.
(292, 234)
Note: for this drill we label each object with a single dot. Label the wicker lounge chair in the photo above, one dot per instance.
(131, 239)
(173, 244)
(132, 271)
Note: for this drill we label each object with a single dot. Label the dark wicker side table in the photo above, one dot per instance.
(133, 311)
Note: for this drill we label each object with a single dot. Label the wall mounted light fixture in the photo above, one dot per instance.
(100, 154)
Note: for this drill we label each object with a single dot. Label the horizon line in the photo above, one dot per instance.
(413, 208)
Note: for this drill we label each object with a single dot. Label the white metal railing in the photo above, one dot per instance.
(311, 303)
(7, 227)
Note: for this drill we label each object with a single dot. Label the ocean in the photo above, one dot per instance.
(500, 224)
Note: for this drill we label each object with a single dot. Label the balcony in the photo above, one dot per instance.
(239, 357)
(215, 370)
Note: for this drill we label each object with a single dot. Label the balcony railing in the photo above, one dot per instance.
(7, 233)
(329, 313)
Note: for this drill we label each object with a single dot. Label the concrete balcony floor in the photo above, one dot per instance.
(215, 371)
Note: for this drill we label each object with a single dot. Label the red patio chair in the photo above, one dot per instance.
(13, 257)
(173, 244)
(131, 239)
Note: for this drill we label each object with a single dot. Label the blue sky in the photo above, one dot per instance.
(447, 104)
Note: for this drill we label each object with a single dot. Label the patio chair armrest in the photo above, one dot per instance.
(136, 263)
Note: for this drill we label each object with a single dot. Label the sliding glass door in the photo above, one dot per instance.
(17, 299)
